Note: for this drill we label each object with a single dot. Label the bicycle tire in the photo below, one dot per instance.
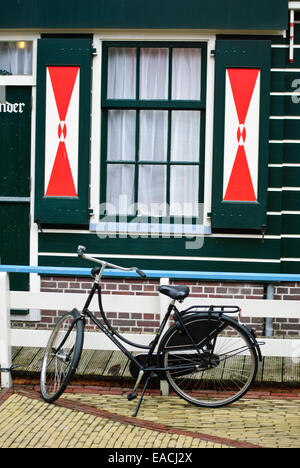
(61, 356)
(226, 363)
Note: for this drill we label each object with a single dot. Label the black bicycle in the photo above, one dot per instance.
(208, 358)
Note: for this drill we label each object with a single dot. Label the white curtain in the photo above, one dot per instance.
(154, 65)
(16, 58)
(186, 73)
(153, 147)
(153, 135)
(152, 190)
(184, 186)
(120, 189)
(185, 136)
(153, 130)
(120, 147)
(185, 147)
(121, 74)
(121, 135)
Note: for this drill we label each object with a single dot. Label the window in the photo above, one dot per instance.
(16, 58)
(153, 107)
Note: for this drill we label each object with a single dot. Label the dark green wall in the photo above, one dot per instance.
(15, 140)
(217, 14)
(284, 152)
(230, 251)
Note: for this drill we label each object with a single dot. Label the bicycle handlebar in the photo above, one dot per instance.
(81, 253)
(141, 273)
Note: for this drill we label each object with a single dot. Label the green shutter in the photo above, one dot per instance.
(241, 134)
(63, 131)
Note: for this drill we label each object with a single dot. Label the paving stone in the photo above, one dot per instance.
(78, 420)
(35, 433)
(267, 423)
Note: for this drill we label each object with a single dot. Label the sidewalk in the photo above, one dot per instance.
(95, 411)
(100, 417)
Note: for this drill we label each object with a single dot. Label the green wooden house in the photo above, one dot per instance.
(163, 134)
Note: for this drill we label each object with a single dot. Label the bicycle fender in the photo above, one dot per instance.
(216, 315)
(77, 315)
(251, 335)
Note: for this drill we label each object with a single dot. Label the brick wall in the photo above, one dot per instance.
(287, 326)
(149, 322)
(123, 322)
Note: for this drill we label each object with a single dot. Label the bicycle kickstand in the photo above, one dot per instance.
(152, 374)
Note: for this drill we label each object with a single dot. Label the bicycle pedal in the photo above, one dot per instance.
(131, 396)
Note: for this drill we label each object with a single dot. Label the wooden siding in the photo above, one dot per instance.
(284, 159)
(217, 254)
(72, 14)
(230, 251)
(98, 365)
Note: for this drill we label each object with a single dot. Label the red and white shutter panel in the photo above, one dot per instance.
(241, 135)
(62, 131)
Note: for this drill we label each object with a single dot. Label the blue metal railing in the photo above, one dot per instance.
(152, 274)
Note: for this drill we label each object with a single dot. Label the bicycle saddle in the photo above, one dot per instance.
(175, 292)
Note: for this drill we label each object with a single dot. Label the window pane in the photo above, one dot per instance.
(154, 65)
(184, 188)
(120, 189)
(121, 135)
(152, 190)
(16, 58)
(121, 76)
(186, 73)
(153, 135)
(185, 138)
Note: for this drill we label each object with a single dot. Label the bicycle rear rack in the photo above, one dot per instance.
(210, 309)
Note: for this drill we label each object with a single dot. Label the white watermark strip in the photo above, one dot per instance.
(157, 221)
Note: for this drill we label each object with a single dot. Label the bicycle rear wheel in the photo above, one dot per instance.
(61, 356)
(219, 371)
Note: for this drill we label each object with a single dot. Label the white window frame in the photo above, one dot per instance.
(21, 80)
(102, 227)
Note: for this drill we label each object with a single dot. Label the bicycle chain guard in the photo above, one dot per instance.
(143, 359)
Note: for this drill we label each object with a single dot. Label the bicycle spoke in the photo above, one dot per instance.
(220, 372)
(58, 364)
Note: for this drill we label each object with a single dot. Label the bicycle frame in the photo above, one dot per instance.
(111, 333)
(115, 337)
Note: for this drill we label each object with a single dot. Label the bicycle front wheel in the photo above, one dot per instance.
(61, 356)
(219, 370)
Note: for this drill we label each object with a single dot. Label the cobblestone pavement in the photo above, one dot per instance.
(90, 419)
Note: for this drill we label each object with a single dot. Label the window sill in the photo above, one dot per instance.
(142, 229)
(17, 80)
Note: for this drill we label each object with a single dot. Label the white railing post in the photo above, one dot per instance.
(269, 320)
(163, 306)
(5, 344)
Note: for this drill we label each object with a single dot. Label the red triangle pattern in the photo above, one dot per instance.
(61, 182)
(242, 82)
(63, 80)
(240, 186)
